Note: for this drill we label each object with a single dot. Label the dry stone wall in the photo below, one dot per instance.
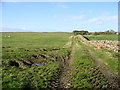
(108, 44)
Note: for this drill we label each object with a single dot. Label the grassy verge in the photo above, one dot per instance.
(110, 57)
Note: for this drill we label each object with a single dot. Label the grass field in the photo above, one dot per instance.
(51, 60)
(20, 51)
(33, 40)
(102, 37)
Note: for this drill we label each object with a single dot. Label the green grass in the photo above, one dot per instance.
(102, 37)
(109, 56)
(26, 48)
(87, 74)
(20, 49)
(33, 40)
(34, 77)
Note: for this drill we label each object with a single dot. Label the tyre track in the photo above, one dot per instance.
(65, 77)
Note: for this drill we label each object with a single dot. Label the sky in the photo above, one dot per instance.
(59, 16)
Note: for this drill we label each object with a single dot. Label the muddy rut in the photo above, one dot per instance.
(65, 80)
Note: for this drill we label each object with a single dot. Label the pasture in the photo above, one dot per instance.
(37, 60)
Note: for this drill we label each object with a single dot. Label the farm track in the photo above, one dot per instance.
(65, 80)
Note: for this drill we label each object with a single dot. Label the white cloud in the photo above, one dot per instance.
(8, 29)
(101, 20)
(1, 29)
(111, 18)
(74, 18)
(63, 6)
(93, 20)
(24, 28)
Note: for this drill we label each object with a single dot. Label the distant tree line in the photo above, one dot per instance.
(82, 32)
(104, 33)
(76, 32)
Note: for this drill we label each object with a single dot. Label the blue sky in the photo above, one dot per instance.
(59, 16)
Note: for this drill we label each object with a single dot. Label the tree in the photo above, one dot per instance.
(111, 30)
(80, 32)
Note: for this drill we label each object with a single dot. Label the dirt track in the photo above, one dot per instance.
(65, 77)
(65, 80)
